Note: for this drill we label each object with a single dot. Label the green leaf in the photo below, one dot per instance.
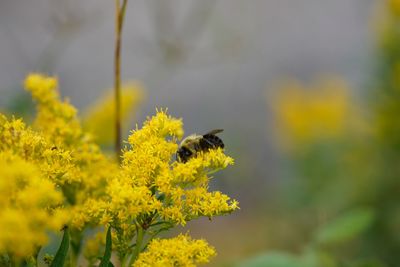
(367, 263)
(314, 258)
(272, 259)
(345, 228)
(62, 251)
(105, 261)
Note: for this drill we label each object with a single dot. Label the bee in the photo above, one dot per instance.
(194, 143)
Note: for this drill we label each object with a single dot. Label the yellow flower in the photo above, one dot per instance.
(99, 119)
(152, 189)
(54, 174)
(57, 119)
(195, 169)
(394, 6)
(54, 162)
(306, 115)
(93, 247)
(71, 158)
(179, 251)
(151, 151)
(203, 203)
(42, 88)
(28, 206)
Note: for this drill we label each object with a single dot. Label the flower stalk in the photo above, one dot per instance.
(119, 21)
(139, 241)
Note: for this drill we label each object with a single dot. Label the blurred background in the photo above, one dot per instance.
(308, 93)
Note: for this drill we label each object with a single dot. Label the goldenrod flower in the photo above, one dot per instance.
(57, 119)
(306, 115)
(71, 156)
(28, 206)
(55, 169)
(54, 162)
(151, 188)
(179, 251)
(42, 88)
(100, 116)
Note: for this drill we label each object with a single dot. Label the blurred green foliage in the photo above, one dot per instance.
(345, 228)
(318, 253)
(345, 182)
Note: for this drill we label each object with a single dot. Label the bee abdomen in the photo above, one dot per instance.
(210, 141)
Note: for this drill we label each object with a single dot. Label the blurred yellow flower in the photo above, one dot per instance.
(93, 247)
(305, 115)
(394, 6)
(41, 87)
(56, 119)
(99, 118)
(28, 206)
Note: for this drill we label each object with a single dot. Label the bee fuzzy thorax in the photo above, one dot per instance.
(191, 140)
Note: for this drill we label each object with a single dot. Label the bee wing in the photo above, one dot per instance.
(215, 131)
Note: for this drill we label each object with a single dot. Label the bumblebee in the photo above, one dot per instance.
(194, 143)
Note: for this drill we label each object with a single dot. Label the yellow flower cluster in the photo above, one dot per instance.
(28, 206)
(307, 115)
(75, 160)
(54, 163)
(54, 174)
(178, 251)
(56, 119)
(99, 118)
(150, 182)
(153, 189)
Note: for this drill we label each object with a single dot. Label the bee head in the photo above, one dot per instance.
(183, 154)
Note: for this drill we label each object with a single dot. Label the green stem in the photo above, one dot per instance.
(125, 260)
(139, 240)
(76, 245)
